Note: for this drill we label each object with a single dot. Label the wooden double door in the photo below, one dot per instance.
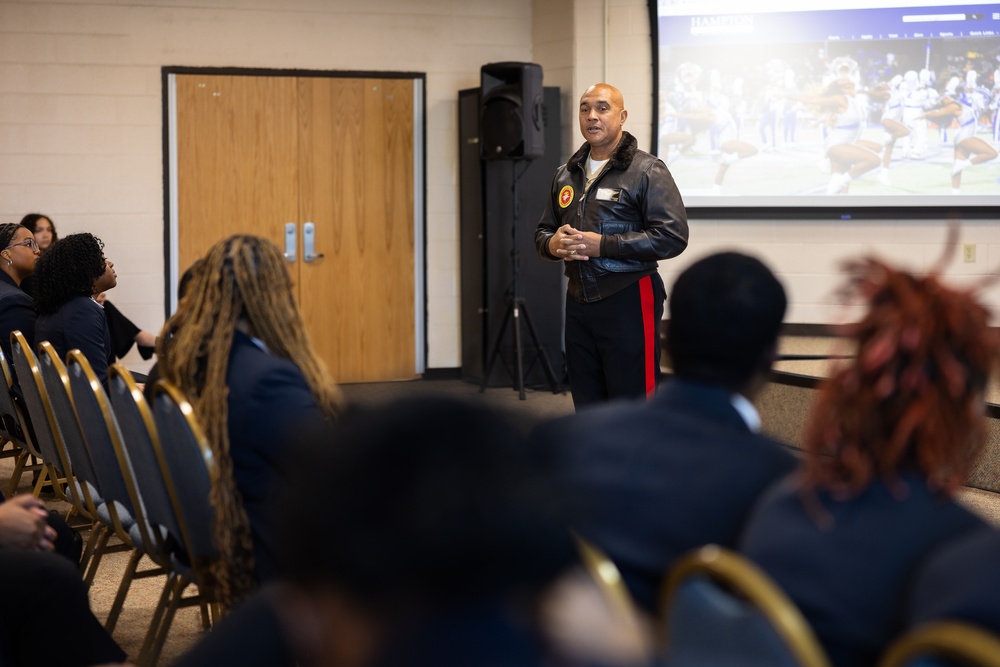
(286, 156)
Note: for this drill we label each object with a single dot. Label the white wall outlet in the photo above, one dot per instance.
(969, 253)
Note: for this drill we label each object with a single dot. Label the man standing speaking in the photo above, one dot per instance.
(614, 211)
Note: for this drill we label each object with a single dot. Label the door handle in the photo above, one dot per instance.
(309, 253)
(291, 241)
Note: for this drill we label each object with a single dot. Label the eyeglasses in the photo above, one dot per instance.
(28, 243)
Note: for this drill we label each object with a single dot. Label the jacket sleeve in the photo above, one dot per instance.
(548, 225)
(665, 232)
(85, 326)
(18, 314)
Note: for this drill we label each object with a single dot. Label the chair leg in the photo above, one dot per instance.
(154, 623)
(97, 553)
(168, 618)
(40, 482)
(116, 607)
(15, 477)
(88, 547)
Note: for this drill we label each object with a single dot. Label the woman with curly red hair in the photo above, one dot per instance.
(893, 434)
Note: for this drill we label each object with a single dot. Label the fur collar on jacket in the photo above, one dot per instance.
(621, 158)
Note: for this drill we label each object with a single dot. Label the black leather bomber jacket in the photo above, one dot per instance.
(634, 205)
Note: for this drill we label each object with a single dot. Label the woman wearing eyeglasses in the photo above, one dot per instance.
(124, 332)
(69, 275)
(17, 261)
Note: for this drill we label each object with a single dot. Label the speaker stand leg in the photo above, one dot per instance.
(495, 352)
(546, 366)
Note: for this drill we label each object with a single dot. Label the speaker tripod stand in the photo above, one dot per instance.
(517, 307)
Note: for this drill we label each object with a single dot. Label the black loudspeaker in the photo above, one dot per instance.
(510, 117)
(486, 209)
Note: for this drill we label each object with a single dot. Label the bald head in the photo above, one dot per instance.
(602, 113)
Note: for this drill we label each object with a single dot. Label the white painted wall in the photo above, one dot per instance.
(81, 110)
(81, 129)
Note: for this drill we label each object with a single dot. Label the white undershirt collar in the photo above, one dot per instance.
(747, 411)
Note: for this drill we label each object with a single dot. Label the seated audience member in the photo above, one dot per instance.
(68, 276)
(123, 331)
(892, 434)
(238, 350)
(655, 480)
(17, 261)
(43, 593)
(960, 581)
(441, 527)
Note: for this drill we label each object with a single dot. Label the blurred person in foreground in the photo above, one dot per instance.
(893, 434)
(440, 528)
(653, 480)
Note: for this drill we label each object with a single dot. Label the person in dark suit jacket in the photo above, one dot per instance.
(892, 434)
(961, 582)
(269, 399)
(655, 480)
(237, 349)
(18, 254)
(66, 279)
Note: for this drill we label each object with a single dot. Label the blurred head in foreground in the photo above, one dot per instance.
(911, 400)
(725, 316)
(428, 508)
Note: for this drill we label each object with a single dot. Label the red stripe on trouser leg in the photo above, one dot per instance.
(649, 332)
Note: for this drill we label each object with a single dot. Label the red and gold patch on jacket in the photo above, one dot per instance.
(566, 196)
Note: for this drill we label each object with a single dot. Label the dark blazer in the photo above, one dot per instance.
(79, 324)
(268, 400)
(653, 480)
(960, 581)
(848, 563)
(17, 313)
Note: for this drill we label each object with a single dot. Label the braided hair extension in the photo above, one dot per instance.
(68, 269)
(7, 232)
(241, 277)
(912, 398)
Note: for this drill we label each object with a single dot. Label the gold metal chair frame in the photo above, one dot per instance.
(151, 541)
(101, 533)
(23, 448)
(172, 597)
(946, 639)
(748, 581)
(603, 570)
(60, 470)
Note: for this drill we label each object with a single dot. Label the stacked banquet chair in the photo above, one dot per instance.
(15, 429)
(56, 464)
(90, 483)
(175, 482)
(944, 643)
(118, 484)
(720, 609)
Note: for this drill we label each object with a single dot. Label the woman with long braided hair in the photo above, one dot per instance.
(238, 349)
(893, 434)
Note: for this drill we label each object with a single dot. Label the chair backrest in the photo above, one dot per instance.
(56, 382)
(105, 443)
(12, 423)
(605, 573)
(721, 609)
(37, 401)
(185, 453)
(941, 644)
(135, 420)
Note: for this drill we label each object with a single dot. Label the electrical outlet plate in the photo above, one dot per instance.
(969, 252)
